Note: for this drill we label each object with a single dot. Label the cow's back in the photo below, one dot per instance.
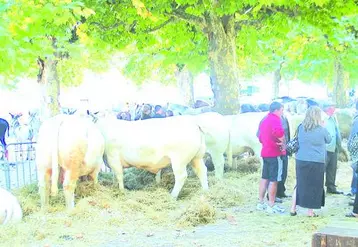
(151, 143)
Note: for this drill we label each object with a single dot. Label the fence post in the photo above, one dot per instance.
(7, 175)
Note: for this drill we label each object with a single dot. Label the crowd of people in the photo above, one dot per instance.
(319, 143)
(146, 111)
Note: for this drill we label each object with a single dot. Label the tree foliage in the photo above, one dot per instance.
(32, 29)
(219, 36)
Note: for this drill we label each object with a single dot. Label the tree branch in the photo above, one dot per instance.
(41, 64)
(192, 19)
(105, 28)
(239, 24)
(150, 30)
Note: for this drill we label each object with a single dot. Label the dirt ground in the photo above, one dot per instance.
(245, 226)
(154, 221)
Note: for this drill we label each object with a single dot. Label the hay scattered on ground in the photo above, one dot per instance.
(137, 179)
(104, 213)
(250, 164)
(199, 213)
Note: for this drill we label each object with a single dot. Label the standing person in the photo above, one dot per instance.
(158, 112)
(353, 151)
(333, 148)
(281, 184)
(310, 162)
(271, 136)
(354, 213)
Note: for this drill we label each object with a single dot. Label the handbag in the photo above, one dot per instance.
(293, 145)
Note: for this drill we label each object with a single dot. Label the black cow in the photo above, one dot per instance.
(4, 125)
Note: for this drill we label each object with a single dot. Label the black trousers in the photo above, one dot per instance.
(331, 171)
(281, 185)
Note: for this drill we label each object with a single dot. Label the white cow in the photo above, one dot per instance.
(10, 210)
(154, 144)
(243, 133)
(217, 139)
(73, 143)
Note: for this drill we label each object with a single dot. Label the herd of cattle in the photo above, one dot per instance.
(80, 144)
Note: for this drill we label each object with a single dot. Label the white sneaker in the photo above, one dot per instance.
(261, 206)
(275, 209)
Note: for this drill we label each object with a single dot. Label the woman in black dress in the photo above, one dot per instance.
(310, 160)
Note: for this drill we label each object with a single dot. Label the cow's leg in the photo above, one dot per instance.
(94, 174)
(180, 175)
(218, 161)
(69, 186)
(117, 167)
(158, 176)
(201, 171)
(44, 177)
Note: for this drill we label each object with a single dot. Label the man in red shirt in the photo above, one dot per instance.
(271, 135)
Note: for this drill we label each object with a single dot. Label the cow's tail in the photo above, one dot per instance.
(105, 160)
(54, 160)
(229, 151)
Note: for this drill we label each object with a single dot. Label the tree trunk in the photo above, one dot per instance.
(185, 82)
(48, 78)
(339, 91)
(276, 82)
(223, 66)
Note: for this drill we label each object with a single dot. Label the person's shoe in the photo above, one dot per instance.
(278, 200)
(293, 213)
(348, 194)
(261, 206)
(336, 192)
(284, 195)
(352, 215)
(274, 209)
(287, 196)
(313, 215)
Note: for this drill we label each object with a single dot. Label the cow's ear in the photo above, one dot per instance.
(88, 112)
(96, 113)
(12, 116)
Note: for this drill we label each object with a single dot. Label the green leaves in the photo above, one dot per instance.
(27, 28)
(158, 35)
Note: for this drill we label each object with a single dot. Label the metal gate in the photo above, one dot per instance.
(17, 165)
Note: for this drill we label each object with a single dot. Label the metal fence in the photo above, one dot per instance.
(17, 165)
